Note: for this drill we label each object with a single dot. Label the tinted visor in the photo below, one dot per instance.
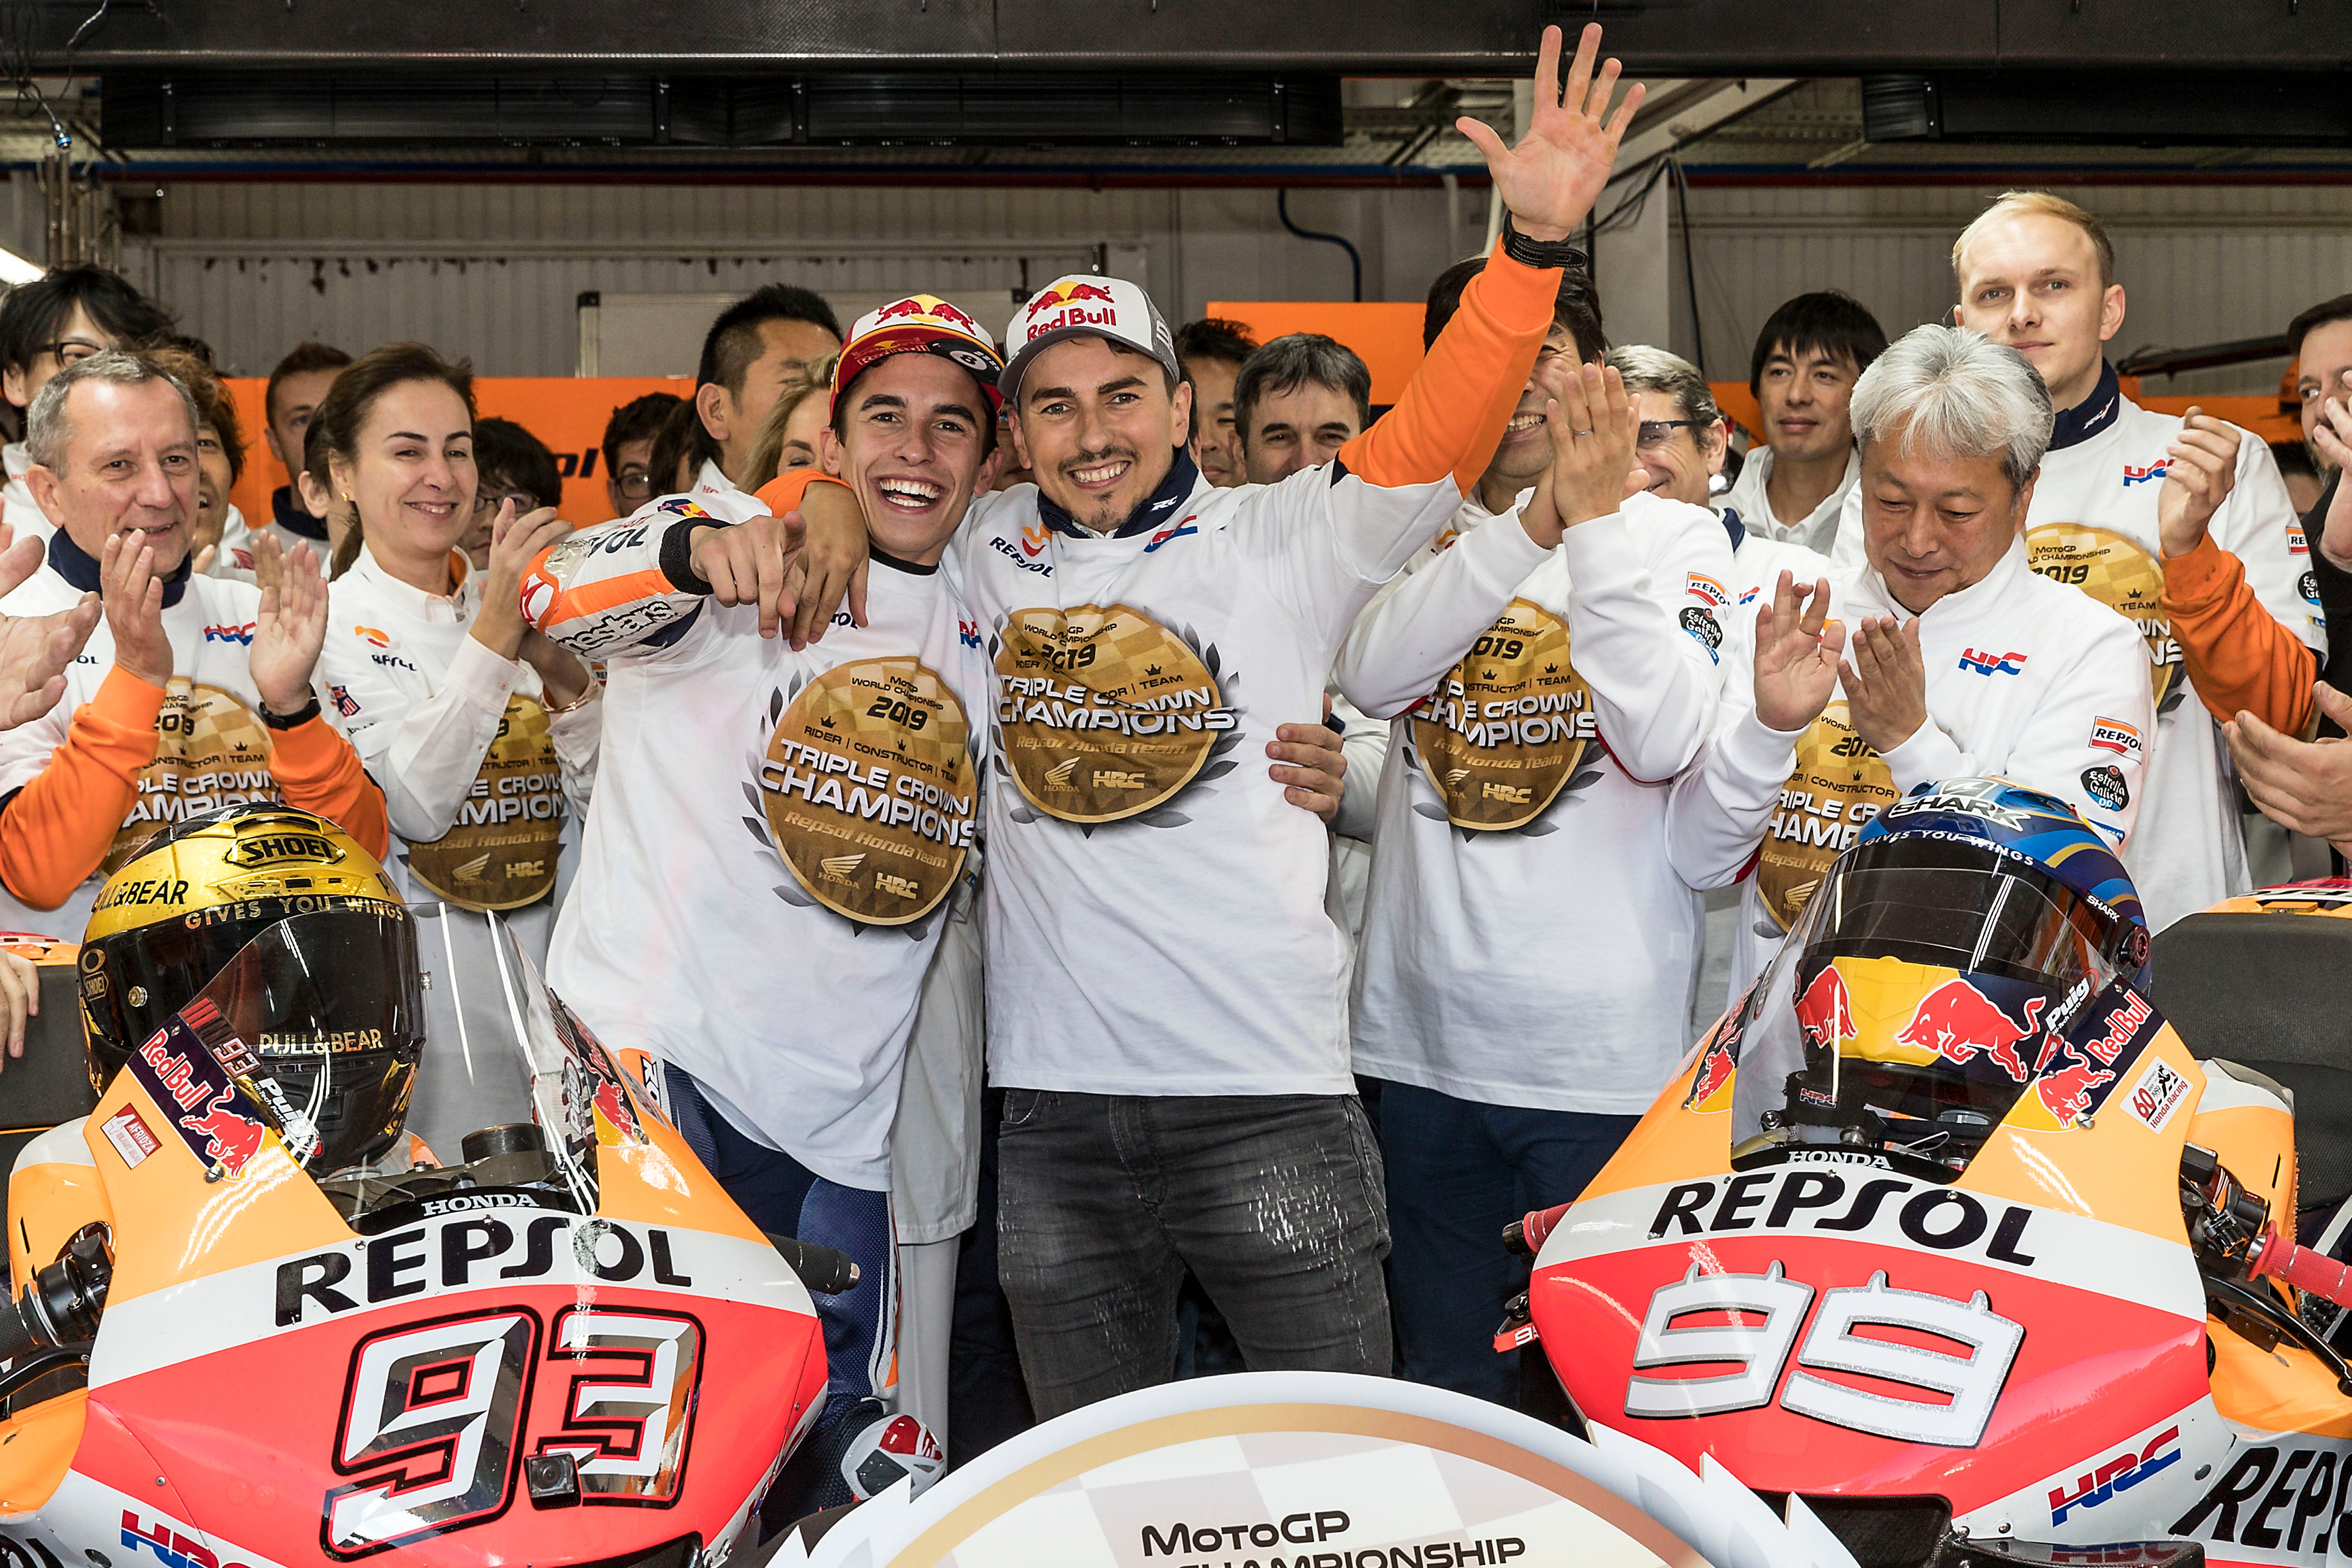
(1958, 906)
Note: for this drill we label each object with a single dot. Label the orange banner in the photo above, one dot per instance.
(2262, 414)
(567, 413)
(1387, 337)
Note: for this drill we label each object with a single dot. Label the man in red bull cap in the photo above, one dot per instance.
(1165, 990)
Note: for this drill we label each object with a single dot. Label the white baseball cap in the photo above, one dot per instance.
(1084, 304)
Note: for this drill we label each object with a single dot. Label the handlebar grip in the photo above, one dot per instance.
(2304, 1270)
(1540, 1225)
(822, 1269)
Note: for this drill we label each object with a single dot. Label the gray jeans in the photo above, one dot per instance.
(1275, 1201)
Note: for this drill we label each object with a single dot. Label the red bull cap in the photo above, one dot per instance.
(1081, 304)
(920, 323)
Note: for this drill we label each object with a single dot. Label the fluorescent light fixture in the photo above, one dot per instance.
(16, 269)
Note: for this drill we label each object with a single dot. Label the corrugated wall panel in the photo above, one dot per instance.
(2199, 264)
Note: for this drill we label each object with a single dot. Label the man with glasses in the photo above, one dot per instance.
(629, 437)
(1684, 437)
(513, 465)
(61, 318)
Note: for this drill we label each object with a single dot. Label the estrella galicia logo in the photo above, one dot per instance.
(2309, 584)
(2155, 470)
(1701, 625)
(1165, 534)
(1983, 663)
(2105, 785)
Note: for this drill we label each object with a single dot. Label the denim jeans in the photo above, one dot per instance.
(1275, 1203)
(1458, 1172)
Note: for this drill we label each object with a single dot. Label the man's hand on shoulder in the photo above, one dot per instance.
(1550, 180)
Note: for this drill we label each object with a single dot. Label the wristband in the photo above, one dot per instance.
(294, 720)
(587, 695)
(1541, 253)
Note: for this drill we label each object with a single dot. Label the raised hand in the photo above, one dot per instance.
(2306, 787)
(2197, 480)
(1797, 647)
(133, 596)
(1885, 682)
(36, 650)
(1550, 180)
(515, 544)
(288, 634)
(1592, 425)
(2333, 436)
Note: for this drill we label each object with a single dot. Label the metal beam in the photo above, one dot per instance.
(1686, 39)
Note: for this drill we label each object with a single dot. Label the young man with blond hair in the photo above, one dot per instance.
(2124, 490)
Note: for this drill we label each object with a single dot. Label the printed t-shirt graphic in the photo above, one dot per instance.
(501, 853)
(868, 789)
(211, 751)
(1106, 713)
(1840, 783)
(1503, 733)
(2116, 571)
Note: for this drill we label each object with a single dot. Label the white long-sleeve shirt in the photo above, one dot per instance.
(2093, 522)
(1527, 941)
(2025, 679)
(1749, 501)
(777, 953)
(483, 791)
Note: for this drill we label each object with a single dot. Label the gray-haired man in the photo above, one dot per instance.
(1941, 656)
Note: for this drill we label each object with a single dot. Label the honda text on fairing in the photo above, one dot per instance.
(1945, 1228)
(247, 1334)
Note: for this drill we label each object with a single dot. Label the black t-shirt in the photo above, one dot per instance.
(2334, 603)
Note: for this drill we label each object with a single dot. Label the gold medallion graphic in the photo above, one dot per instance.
(500, 852)
(1839, 786)
(2119, 574)
(1503, 733)
(869, 791)
(211, 751)
(1106, 712)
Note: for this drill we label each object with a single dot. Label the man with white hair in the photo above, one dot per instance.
(2125, 493)
(1941, 655)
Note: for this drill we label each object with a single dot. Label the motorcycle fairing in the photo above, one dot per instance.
(2047, 1292)
(300, 1385)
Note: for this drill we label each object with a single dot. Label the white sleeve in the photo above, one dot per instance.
(578, 736)
(2257, 523)
(1721, 806)
(1330, 538)
(1644, 635)
(1421, 627)
(1364, 741)
(424, 752)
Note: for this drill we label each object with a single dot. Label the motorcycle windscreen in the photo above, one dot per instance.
(1924, 986)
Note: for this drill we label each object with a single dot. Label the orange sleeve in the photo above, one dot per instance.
(783, 493)
(57, 830)
(320, 771)
(1451, 416)
(2235, 650)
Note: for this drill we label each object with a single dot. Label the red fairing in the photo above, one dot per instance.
(403, 1435)
(1845, 1367)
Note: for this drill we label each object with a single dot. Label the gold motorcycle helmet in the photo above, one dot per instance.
(302, 940)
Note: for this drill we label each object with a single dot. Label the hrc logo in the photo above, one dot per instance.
(2155, 470)
(1982, 663)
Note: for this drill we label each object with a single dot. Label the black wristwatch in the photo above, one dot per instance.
(294, 720)
(1541, 252)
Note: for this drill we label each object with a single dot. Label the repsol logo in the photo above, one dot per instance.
(460, 1253)
(1003, 547)
(1943, 1219)
(2278, 1497)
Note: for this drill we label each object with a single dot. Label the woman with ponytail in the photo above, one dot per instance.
(482, 733)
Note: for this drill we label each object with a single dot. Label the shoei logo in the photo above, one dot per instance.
(273, 848)
(2141, 476)
(1983, 663)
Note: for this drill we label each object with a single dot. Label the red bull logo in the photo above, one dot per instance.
(1961, 1023)
(1825, 1011)
(230, 1139)
(1065, 305)
(903, 310)
(613, 1104)
(928, 308)
(2066, 1093)
(1716, 1068)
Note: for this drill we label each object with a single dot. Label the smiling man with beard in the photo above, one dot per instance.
(1165, 998)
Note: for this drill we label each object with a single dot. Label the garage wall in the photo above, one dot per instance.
(494, 272)
(2199, 264)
